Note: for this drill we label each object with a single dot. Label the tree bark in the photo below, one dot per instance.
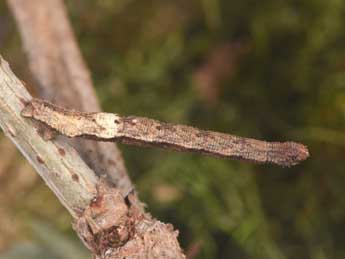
(110, 220)
(58, 164)
(62, 76)
(110, 225)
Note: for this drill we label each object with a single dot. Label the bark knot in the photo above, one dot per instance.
(107, 222)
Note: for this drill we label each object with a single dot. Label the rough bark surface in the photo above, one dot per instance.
(110, 225)
(123, 231)
(59, 165)
(62, 76)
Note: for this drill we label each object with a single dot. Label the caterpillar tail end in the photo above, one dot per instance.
(288, 153)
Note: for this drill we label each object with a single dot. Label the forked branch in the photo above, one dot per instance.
(111, 225)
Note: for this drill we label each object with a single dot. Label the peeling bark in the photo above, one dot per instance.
(112, 228)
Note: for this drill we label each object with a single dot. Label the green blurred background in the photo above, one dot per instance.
(269, 69)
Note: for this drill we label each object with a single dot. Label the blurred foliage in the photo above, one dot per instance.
(271, 69)
(52, 245)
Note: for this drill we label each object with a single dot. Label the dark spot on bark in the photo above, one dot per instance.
(48, 134)
(75, 177)
(39, 159)
(9, 131)
(62, 152)
(116, 121)
(23, 101)
(128, 201)
(39, 130)
(97, 202)
(111, 162)
(158, 127)
(113, 237)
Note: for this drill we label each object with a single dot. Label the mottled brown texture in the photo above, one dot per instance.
(112, 226)
(55, 170)
(147, 132)
(39, 159)
(62, 76)
(61, 151)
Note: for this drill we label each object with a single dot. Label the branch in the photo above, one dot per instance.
(72, 181)
(109, 225)
(62, 76)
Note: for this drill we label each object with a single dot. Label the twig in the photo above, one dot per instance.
(147, 132)
(61, 75)
(109, 225)
(59, 165)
